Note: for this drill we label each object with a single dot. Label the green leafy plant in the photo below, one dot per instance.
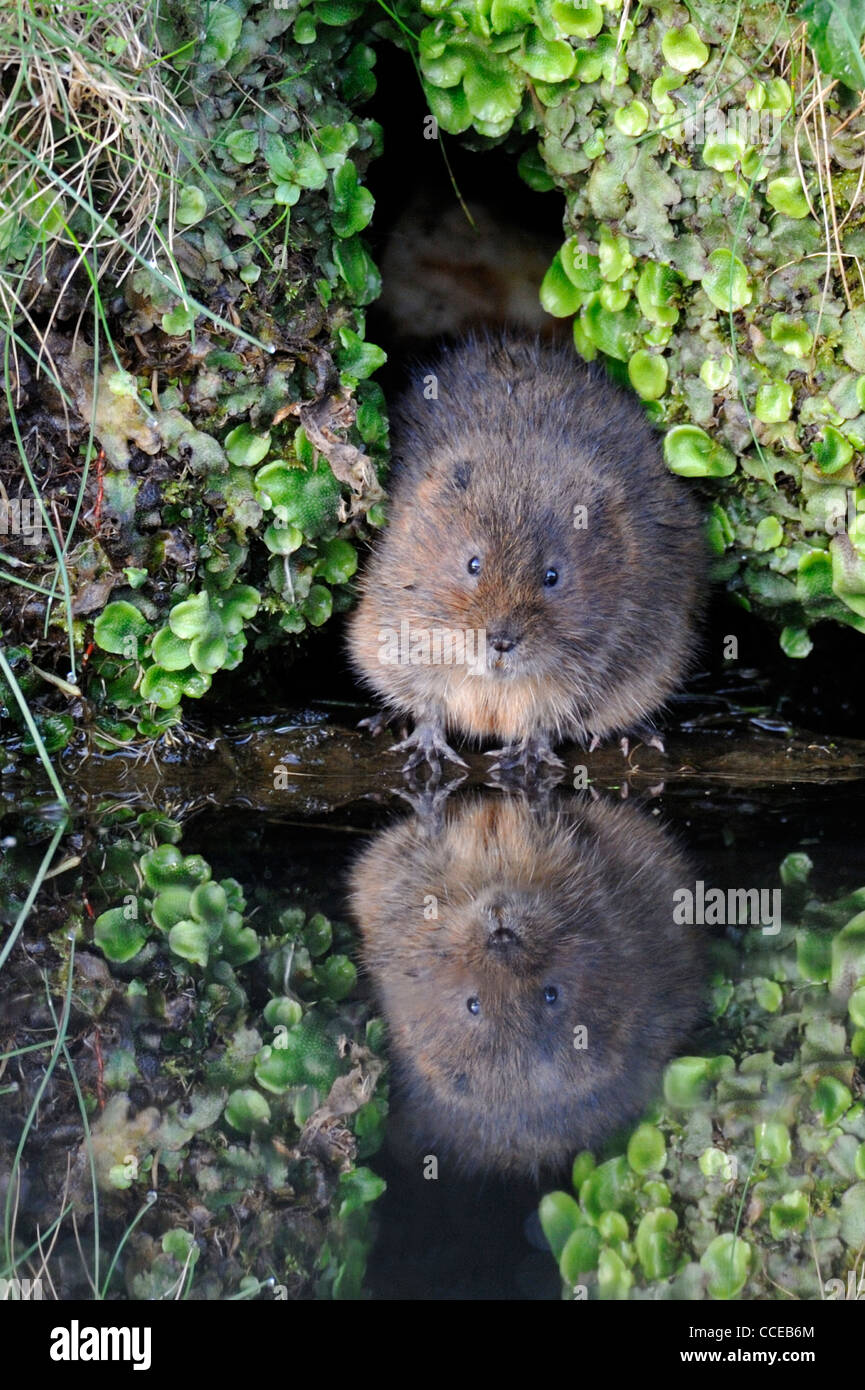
(745, 1180)
(693, 212)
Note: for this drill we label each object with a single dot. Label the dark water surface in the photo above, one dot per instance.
(734, 822)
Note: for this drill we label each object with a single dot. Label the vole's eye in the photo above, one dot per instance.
(551, 577)
(473, 1005)
(551, 994)
(474, 565)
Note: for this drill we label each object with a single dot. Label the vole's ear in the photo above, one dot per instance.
(462, 474)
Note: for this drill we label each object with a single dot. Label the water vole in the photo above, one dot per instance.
(490, 940)
(534, 521)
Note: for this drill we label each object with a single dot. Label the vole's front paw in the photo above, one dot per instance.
(642, 733)
(529, 758)
(375, 723)
(428, 745)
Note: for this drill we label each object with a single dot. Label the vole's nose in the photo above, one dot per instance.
(500, 933)
(502, 642)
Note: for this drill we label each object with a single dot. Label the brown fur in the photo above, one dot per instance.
(584, 900)
(520, 435)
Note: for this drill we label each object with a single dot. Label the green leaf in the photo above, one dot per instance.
(795, 642)
(166, 867)
(787, 196)
(247, 1110)
(209, 652)
(357, 1188)
(692, 453)
(683, 49)
(239, 944)
(191, 941)
(191, 618)
(221, 32)
(278, 160)
(244, 448)
(169, 651)
(560, 1217)
(338, 561)
(648, 374)
(119, 934)
(549, 60)
(170, 906)
(494, 92)
(239, 606)
(309, 497)
(310, 169)
(304, 1055)
(191, 206)
(358, 269)
(242, 145)
(209, 904)
(318, 934)
(161, 688)
(656, 1243)
(647, 1151)
(835, 31)
(608, 1187)
(352, 203)
(789, 1214)
(337, 976)
(726, 281)
(584, 18)
(772, 1143)
(559, 296)
(283, 540)
(178, 322)
(581, 1253)
(118, 629)
(533, 171)
(726, 1261)
(359, 359)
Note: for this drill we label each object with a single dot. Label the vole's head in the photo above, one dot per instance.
(505, 558)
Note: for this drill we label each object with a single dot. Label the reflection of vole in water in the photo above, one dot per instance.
(531, 504)
(490, 942)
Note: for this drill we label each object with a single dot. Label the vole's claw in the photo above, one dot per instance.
(428, 745)
(642, 733)
(375, 723)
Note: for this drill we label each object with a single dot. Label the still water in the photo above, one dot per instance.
(201, 1107)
